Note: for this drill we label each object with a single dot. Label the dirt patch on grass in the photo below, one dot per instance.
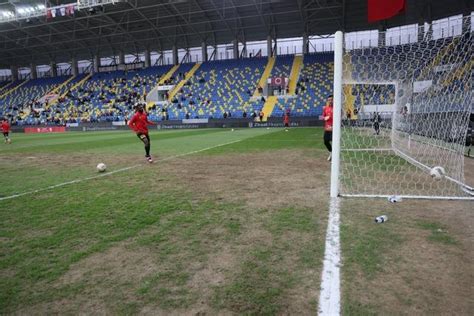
(408, 271)
(260, 180)
(123, 263)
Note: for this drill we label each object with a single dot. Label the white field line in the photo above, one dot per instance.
(367, 149)
(422, 197)
(111, 172)
(330, 295)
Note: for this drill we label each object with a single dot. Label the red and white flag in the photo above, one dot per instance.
(278, 81)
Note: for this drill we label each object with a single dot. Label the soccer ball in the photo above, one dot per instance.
(101, 167)
(437, 173)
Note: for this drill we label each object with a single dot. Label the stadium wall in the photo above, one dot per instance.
(175, 124)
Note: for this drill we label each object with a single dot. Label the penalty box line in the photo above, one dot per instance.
(112, 172)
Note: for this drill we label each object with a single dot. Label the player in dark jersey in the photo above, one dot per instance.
(376, 121)
(328, 120)
(5, 126)
(139, 124)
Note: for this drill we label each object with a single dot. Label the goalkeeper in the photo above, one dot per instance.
(328, 119)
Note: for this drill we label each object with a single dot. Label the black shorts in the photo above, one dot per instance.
(287, 125)
(5, 134)
(327, 136)
(143, 136)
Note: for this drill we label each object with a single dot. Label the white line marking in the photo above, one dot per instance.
(112, 172)
(330, 296)
(368, 149)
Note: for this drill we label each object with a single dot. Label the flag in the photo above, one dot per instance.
(58, 12)
(63, 11)
(53, 12)
(278, 81)
(70, 9)
(48, 14)
(384, 9)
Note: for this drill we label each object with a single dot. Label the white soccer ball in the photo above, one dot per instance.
(101, 167)
(437, 172)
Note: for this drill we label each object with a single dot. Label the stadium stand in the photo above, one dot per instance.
(20, 100)
(312, 88)
(102, 97)
(219, 87)
(4, 85)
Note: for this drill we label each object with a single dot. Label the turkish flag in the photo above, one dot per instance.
(384, 9)
(278, 81)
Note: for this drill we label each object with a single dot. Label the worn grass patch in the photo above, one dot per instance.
(416, 263)
(273, 274)
(364, 246)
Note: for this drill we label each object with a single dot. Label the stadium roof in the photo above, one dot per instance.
(132, 26)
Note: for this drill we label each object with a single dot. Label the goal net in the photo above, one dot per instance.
(405, 110)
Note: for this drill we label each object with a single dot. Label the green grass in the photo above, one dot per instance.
(365, 246)
(46, 235)
(438, 231)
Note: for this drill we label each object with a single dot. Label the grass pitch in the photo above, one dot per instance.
(211, 228)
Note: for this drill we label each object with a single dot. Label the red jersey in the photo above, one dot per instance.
(286, 119)
(139, 123)
(327, 111)
(5, 127)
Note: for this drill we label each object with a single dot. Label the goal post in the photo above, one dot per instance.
(399, 112)
(337, 103)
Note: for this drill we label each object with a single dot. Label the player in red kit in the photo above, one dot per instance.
(139, 124)
(286, 119)
(5, 126)
(328, 119)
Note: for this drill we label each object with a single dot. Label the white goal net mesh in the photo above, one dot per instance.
(405, 111)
